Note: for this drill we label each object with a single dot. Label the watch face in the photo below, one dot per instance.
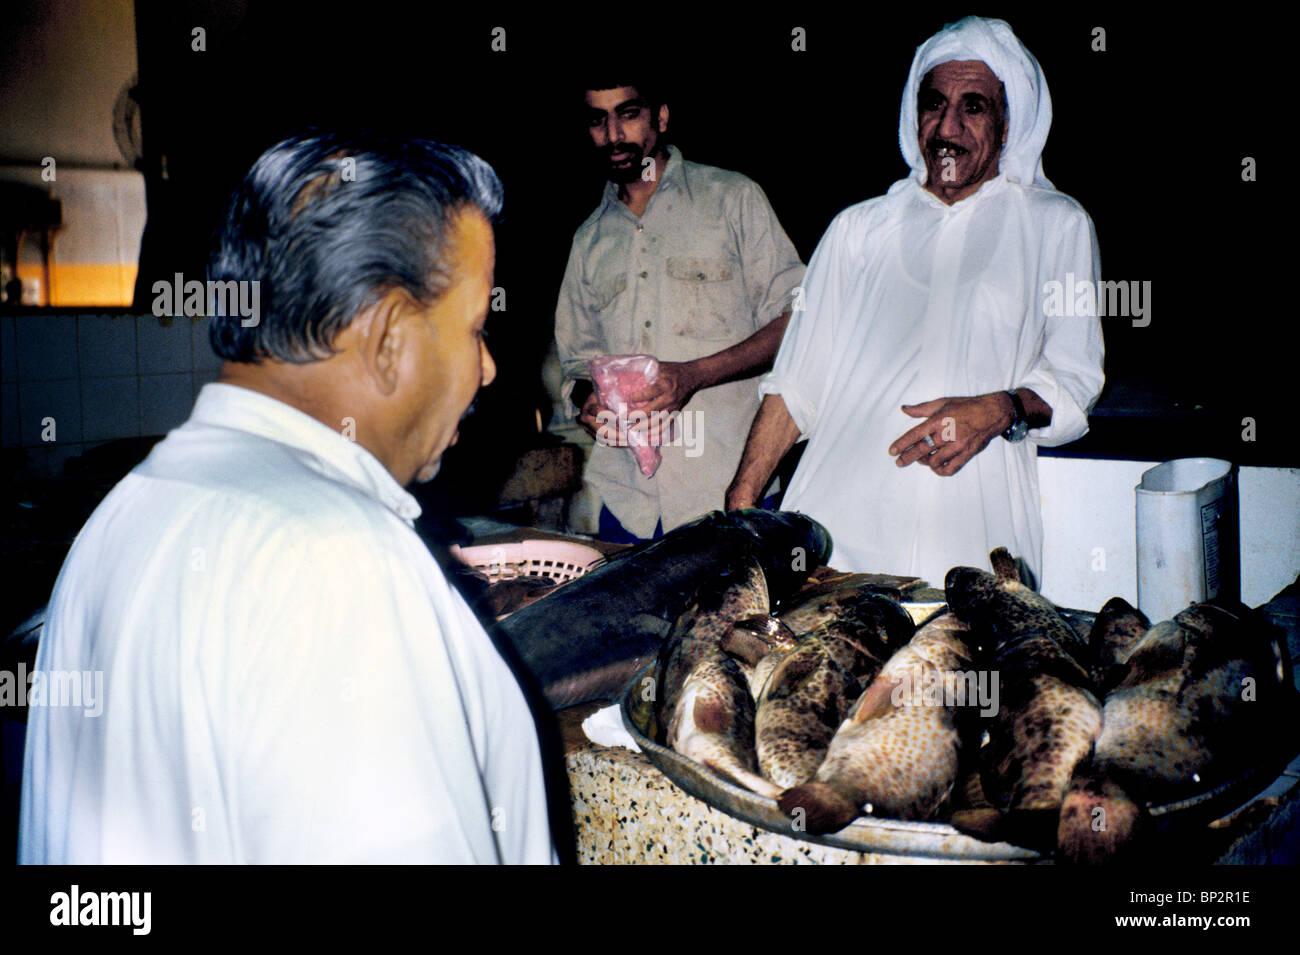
(1017, 431)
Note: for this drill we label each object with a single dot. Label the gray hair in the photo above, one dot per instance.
(328, 223)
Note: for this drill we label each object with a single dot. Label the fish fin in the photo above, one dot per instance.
(824, 809)
(1099, 822)
(1004, 565)
(877, 700)
(1161, 649)
(711, 716)
(751, 781)
(753, 637)
(793, 670)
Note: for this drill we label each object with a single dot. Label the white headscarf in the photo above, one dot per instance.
(1029, 107)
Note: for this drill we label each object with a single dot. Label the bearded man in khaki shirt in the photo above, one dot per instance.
(687, 263)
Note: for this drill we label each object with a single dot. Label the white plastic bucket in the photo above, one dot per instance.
(1186, 535)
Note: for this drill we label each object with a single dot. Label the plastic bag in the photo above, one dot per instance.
(616, 377)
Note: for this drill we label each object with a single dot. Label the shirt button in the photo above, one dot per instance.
(644, 274)
(640, 228)
(647, 324)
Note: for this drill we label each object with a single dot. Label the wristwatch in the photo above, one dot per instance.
(1019, 424)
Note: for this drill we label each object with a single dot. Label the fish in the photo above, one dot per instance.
(798, 710)
(1196, 701)
(1048, 715)
(999, 606)
(898, 752)
(703, 700)
(589, 637)
(758, 643)
(1118, 628)
(845, 633)
(1100, 823)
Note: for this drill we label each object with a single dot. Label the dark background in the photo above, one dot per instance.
(1149, 136)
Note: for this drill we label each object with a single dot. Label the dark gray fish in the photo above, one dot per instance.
(589, 637)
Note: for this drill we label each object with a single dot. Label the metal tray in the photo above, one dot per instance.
(929, 840)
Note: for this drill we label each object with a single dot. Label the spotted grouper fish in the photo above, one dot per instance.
(1197, 700)
(1193, 705)
(897, 753)
(1118, 628)
(703, 699)
(1048, 714)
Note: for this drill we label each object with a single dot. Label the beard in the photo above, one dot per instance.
(622, 174)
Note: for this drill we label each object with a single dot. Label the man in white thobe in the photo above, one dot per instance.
(286, 675)
(933, 302)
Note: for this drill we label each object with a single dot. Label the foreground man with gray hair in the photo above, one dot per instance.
(289, 677)
(928, 302)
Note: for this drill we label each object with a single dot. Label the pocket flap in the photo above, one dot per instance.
(700, 270)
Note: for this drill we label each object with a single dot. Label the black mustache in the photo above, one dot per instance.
(608, 151)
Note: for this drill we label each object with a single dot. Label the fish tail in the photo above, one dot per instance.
(824, 809)
(1099, 823)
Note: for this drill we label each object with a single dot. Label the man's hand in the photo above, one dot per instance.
(596, 421)
(957, 429)
(677, 383)
(772, 434)
(740, 497)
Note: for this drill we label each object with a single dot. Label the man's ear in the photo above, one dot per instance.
(1002, 96)
(380, 333)
(663, 118)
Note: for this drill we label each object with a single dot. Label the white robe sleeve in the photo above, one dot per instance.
(799, 374)
(1068, 375)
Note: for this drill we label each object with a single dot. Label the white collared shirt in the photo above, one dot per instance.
(909, 299)
(286, 674)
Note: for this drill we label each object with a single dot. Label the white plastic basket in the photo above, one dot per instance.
(561, 561)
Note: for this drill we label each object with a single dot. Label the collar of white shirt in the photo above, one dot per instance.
(230, 406)
(985, 191)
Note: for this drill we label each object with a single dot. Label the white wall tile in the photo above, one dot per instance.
(47, 347)
(164, 349)
(165, 402)
(110, 408)
(10, 430)
(60, 400)
(106, 345)
(8, 349)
